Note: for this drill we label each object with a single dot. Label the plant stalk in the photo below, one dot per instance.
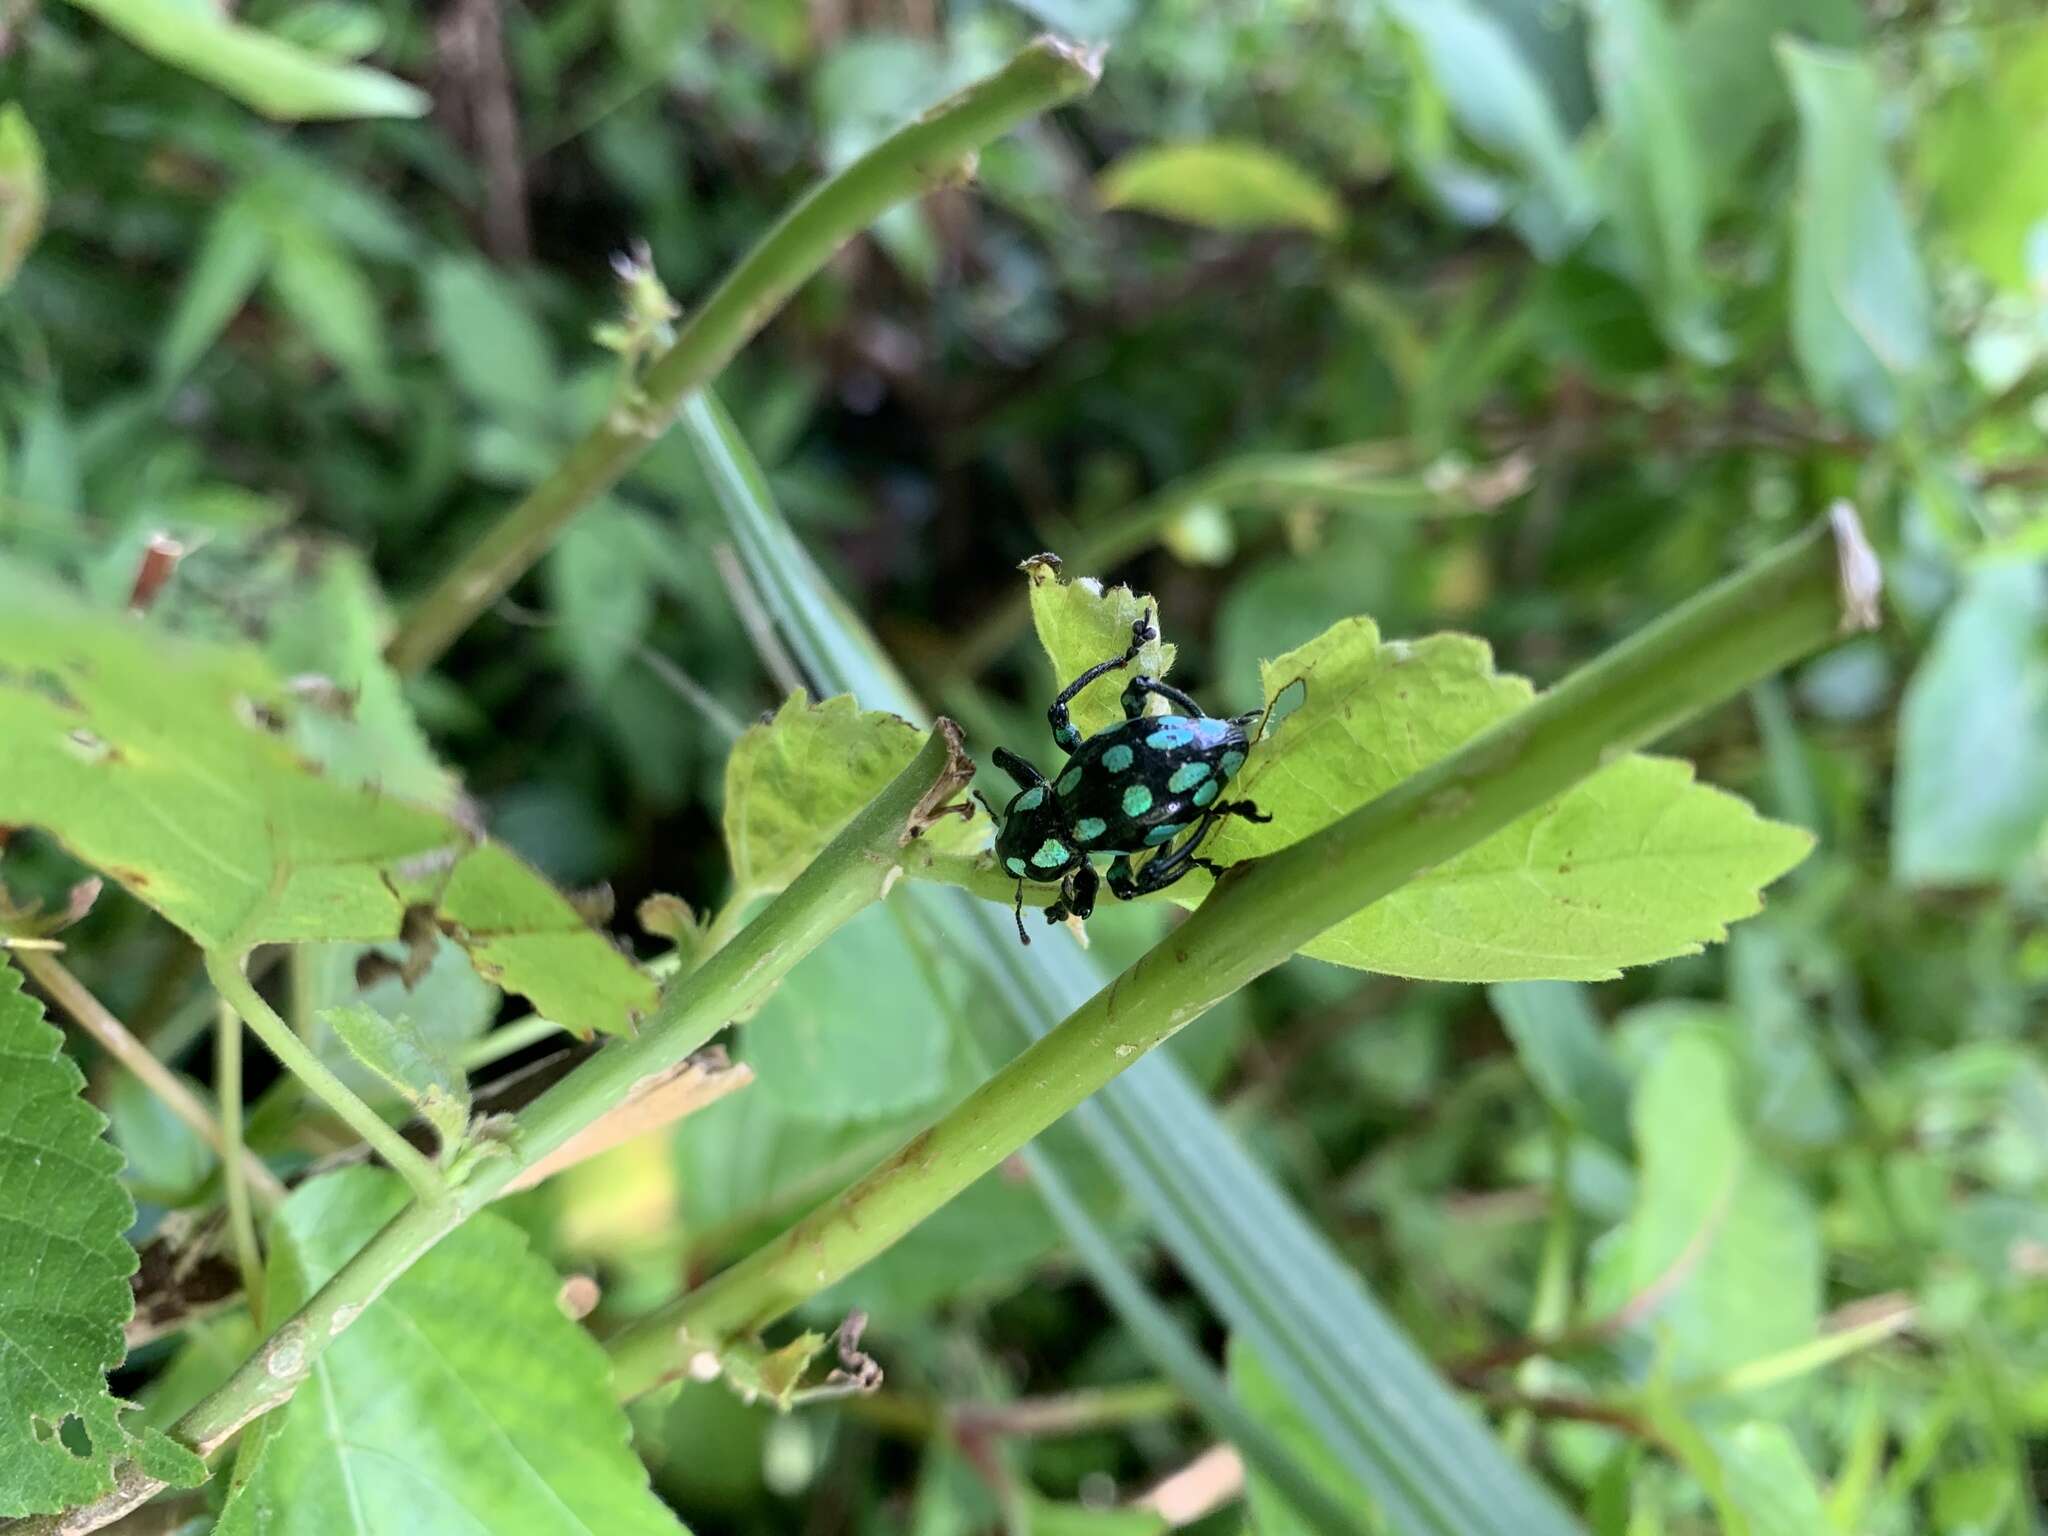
(320, 1079)
(935, 149)
(227, 1083)
(839, 883)
(1790, 602)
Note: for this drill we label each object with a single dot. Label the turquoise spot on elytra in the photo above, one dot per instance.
(1163, 833)
(1014, 866)
(1207, 792)
(1070, 780)
(1115, 760)
(1137, 800)
(1209, 731)
(1232, 761)
(1089, 828)
(1187, 776)
(1030, 800)
(1051, 852)
(1168, 736)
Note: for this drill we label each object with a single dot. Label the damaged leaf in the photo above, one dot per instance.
(171, 766)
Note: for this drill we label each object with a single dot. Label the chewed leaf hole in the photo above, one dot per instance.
(89, 745)
(70, 1433)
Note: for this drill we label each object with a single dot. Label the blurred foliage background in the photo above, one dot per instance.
(1520, 317)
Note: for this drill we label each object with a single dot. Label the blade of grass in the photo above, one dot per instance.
(938, 147)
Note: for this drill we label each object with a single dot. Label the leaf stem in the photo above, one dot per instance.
(840, 882)
(227, 1087)
(935, 149)
(236, 991)
(112, 1036)
(1786, 604)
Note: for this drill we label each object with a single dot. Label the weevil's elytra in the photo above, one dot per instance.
(1130, 788)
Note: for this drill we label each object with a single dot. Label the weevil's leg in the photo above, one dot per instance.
(1062, 907)
(1062, 725)
(994, 815)
(1123, 885)
(1243, 808)
(1172, 863)
(1027, 777)
(1136, 689)
(1083, 885)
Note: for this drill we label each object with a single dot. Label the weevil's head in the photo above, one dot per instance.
(1033, 842)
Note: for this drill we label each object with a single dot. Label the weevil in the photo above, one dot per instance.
(1130, 789)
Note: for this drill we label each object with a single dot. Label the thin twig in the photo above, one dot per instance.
(227, 1045)
(318, 1078)
(92, 1016)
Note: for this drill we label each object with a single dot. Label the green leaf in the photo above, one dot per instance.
(842, 1038)
(1221, 184)
(331, 627)
(262, 71)
(1268, 1402)
(1557, 1035)
(1727, 1246)
(1656, 199)
(1862, 321)
(231, 260)
(399, 1052)
(23, 196)
(321, 286)
(450, 1002)
(1971, 799)
(170, 766)
(793, 782)
(1079, 626)
(64, 1295)
(1501, 103)
(1984, 155)
(1638, 863)
(463, 1399)
(489, 340)
(600, 581)
(1766, 1478)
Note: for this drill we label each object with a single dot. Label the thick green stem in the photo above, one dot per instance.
(939, 147)
(319, 1079)
(1787, 604)
(849, 874)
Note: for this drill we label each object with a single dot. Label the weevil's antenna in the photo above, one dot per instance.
(1021, 934)
(993, 814)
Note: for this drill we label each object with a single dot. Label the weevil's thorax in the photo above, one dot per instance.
(1139, 784)
(1033, 842)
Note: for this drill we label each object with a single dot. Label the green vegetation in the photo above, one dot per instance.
(561, 769)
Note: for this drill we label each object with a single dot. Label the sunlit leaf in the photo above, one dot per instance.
(64, 1268)
(462, 1399)
(1984, 155)
(267, 73)
(1638, 863)
(170, 766)
(795, 780)
(1971, 798)
(22, 193)
(1079, 626)
(1221, 184)
(1861, 315)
